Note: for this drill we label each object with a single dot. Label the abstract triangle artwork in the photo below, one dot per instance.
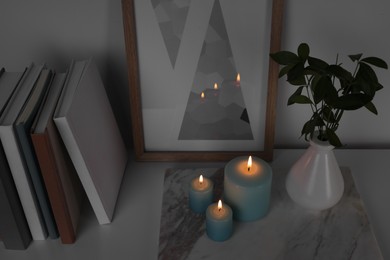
(171, 16)
(215, 108)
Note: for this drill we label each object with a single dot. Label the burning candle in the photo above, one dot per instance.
(249, 165)
(247, 187)
(215, 90)
(201, 194)
(238, 80)
(219, 221)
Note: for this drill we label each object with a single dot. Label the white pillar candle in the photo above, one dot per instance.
(247, 189)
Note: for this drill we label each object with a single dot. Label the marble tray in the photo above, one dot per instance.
(287, 232)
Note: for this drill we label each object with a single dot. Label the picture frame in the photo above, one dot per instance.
(170, 134)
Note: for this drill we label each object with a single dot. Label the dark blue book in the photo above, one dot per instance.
(23, 129)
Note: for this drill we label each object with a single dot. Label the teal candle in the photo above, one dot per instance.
(201, 194)
(247, 189)
(219, 221)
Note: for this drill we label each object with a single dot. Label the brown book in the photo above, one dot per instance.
(61, 180)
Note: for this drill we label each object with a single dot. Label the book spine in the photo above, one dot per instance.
(23, 184)
(36, 180)
(52, 180)
(13, 225)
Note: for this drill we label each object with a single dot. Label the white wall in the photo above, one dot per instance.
(56, 31)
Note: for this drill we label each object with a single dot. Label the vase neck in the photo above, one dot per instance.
(320, 145)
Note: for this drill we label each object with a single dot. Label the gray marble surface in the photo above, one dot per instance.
(287, 232)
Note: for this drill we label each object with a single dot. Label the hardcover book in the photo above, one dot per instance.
(14, 230)
(62, 183)
(22, 129)
(91, 135)
(15, 160)
(13, 225)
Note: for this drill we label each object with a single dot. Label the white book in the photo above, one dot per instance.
(88, 128)
(15, 160)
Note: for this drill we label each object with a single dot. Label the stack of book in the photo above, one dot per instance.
(58, 141)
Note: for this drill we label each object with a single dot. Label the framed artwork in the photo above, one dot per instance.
(202, 86)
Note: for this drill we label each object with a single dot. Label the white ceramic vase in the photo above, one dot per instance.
(315, 180)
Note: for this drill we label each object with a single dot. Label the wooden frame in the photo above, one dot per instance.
(143, 154)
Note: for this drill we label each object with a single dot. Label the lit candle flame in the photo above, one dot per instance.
(249, 163)
(238, 78)
(215, 86)
(202, 95)
(219, 205)
(201, 179)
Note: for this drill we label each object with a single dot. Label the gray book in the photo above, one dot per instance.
(91, 135)
(23, 127)
(15, 160)
(13, 225)
(14, 229)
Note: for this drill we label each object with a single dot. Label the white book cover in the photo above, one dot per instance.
(87, 125)
(15, 160)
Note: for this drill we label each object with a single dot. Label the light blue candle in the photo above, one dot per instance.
(219, 221)
(248, 189)
(201, 194)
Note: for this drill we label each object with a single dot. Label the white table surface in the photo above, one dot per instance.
(134, 232)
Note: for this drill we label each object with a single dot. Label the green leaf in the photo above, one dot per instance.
(303, 51)
(379, 86)
(376, 62)
(366, 79)
(328, 115)
(355, 57)
(333, 138)
(308, 129)
(285, 57)
(366, 72)
(318, 120)
(317, 64)
(314, 81)
(310, 71)
(285, 70)
(339, 72)
(299, 90)
(296, 93)
(298, 81)
(296, 75)
(322, 88)
(351, 101)
(371, 107)
(299, 99)
(310, 126)
(358, 86)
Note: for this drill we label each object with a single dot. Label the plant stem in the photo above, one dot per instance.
(338, 115)
(313, 106)
(356, 69)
